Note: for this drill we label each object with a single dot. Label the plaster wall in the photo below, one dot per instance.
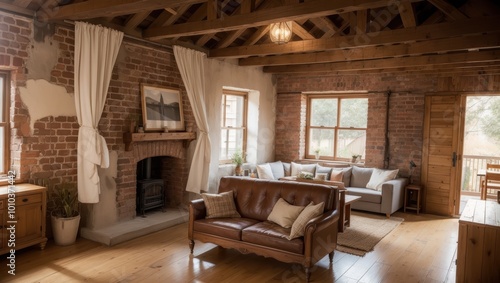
(262, 97)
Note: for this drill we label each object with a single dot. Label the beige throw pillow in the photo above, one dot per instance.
(284, 214)
(297, 168)
(265, 172)
(379, 177)
(311, 211)
(220, 205)
(336, 175)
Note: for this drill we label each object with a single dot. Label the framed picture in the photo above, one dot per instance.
(161, 109)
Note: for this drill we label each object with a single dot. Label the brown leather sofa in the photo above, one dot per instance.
(252, 233)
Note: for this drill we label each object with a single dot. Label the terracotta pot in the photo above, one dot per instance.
(238, 170)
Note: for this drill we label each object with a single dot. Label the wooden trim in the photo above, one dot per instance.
(6, 120)
(425, 148)
(460, 150)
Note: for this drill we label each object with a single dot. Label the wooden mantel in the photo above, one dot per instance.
(130, 138)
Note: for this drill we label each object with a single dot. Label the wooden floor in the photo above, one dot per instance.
(421, 249)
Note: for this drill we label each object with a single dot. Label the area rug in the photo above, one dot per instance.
(365, 232)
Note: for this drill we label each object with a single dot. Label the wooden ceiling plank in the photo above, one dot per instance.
(427, 32)
(312, 9)
(22, 3)
(162, 18)
(247, 6)
(448, 9)
(407, 14)
(300, 31)
(482, 56)
(362, 21)
(212, 10)
(376, 52)
(204, 39)
(171, 10)
(232, 36)
(256, 36)
(97, 8)
(136, 19)
(16, 9)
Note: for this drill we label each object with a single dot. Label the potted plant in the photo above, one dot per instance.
(316, 153)
(356, 158)
(65, 217)
(237, 159)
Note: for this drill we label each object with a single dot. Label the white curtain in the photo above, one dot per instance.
(191, 64)
(96, 49)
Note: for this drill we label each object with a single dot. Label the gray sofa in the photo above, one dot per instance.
(387, 201)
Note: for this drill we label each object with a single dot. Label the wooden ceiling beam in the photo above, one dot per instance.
(289, 12)
(488, 41)
(256, 36)
(362, 21)
(16, 9)
(472, 57)
(443, 30)
(301, 32)
(98, 8)
(407, 14)
(448, 9)
(136, 19)
(22, 3)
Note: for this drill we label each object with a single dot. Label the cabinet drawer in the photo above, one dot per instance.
(28, 199)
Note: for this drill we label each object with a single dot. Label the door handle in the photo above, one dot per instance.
(454, 159)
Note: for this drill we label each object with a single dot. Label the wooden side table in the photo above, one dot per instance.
(412, 198)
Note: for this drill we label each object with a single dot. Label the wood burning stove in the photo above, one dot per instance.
(150, 191)
(150, 194)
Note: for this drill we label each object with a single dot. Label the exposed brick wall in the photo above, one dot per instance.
(405, 116)
(290, 123)
(406, 110)
(49, 152)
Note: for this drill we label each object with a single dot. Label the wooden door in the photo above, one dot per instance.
(440, 160)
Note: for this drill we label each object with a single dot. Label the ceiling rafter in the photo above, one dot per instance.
(473, 57)
(448, 9)
(443, 30)
(377, 52)
(289, 12)
(407, 14)
(97, 8)
(136, 19)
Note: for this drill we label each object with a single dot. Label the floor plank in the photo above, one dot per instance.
(421, 249)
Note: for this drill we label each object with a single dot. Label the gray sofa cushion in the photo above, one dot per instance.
(278, 169)
(360, 176)
(323, 170)
(366, 194)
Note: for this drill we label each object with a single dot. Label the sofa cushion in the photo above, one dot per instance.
(224, 227)
(346, 175)
(265, 172)
(380, 176)
(297, 168)
(311, 211)
(284, 214)
(272, 235)
(337, 176)
(366, 195)
(220, 205)
(288, 169)
(278, 169)
(323, 170)
(360, 176)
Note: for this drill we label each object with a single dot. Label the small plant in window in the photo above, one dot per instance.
(356, 158)
(316, 153)
(238, 158)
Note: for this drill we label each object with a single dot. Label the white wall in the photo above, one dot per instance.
(262, 114)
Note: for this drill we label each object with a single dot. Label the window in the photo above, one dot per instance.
(336, 126)
(4, 123)
(233, 124)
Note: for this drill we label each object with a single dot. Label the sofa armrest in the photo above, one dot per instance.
(197, 210)
(320, 236)
(392, 195)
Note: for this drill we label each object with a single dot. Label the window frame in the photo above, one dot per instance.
(6, 121)
(244, 126)
(336, 129)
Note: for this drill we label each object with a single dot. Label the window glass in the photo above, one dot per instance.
(233, 125)
(324, 112)
(322, 139)
(354, 113)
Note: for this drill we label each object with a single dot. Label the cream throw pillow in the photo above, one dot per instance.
(220, 205)
(379, 177)
(336, 175)
(311, 211)
(284, 214)
(297, 168)
(265, 172)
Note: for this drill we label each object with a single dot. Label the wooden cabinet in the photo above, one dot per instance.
(478, 255)
(29, 209)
